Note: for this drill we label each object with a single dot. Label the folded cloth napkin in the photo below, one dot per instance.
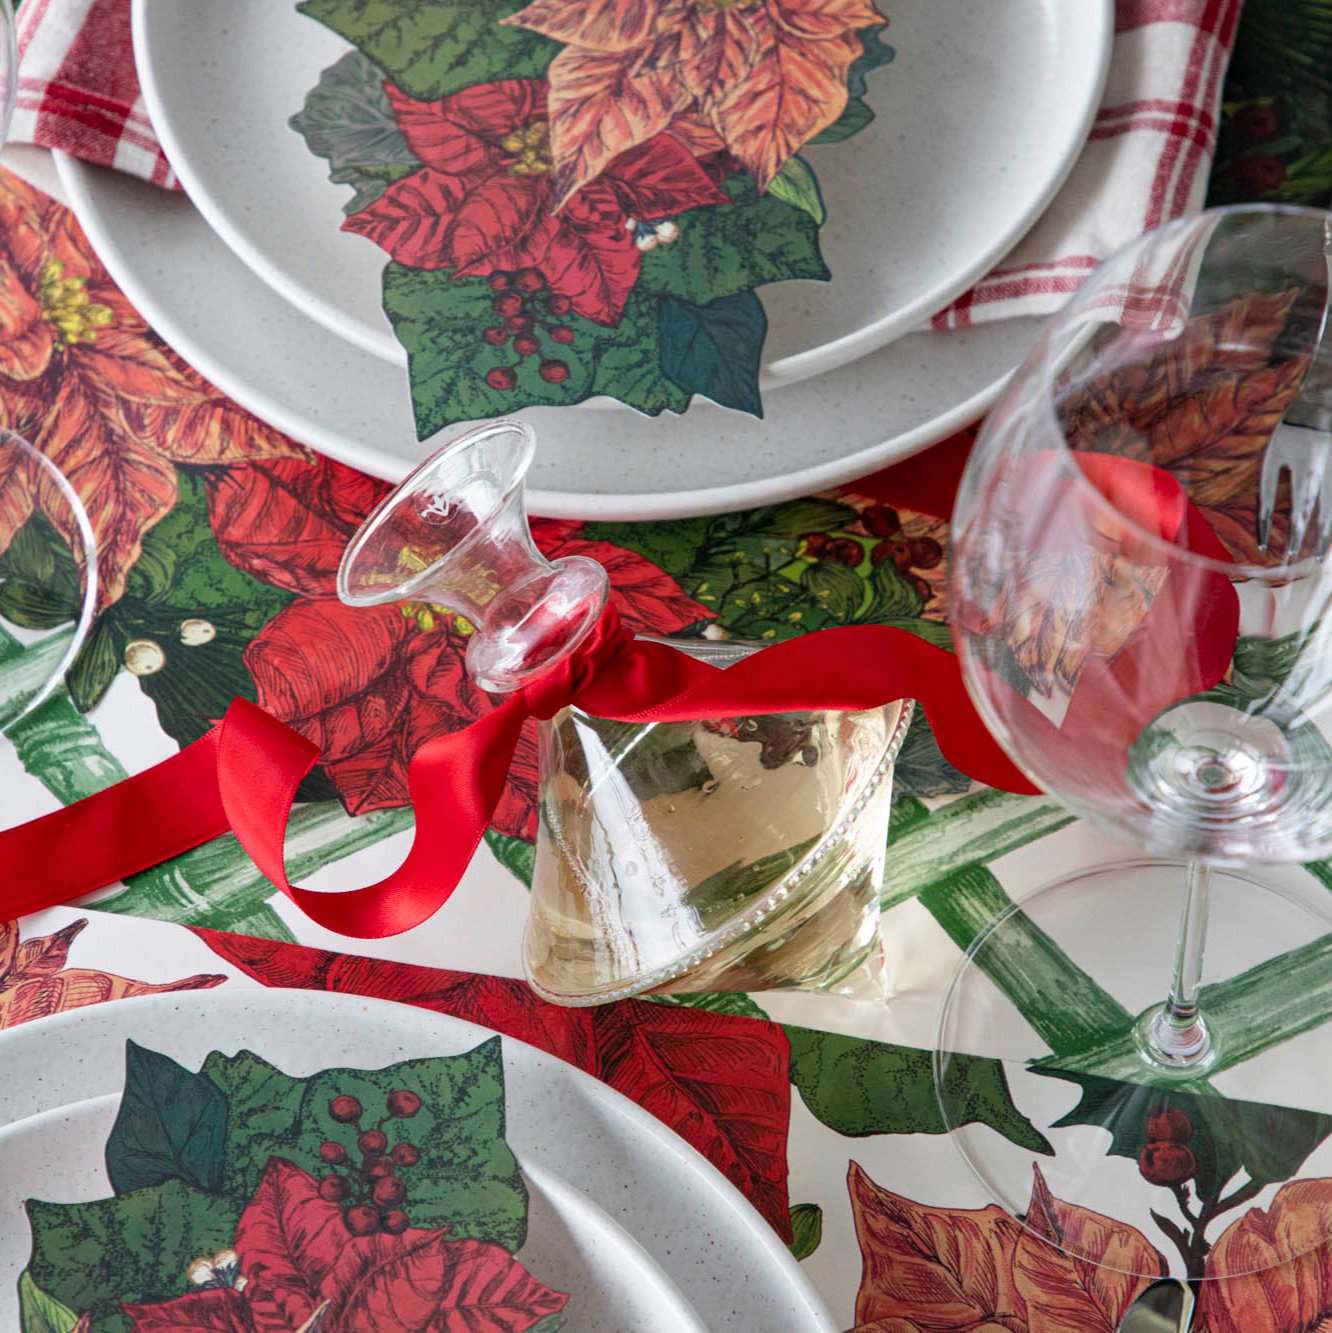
(77, 89)
(1145, 162)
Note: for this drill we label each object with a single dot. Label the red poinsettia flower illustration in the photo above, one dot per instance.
(484, 202)
(83, 378)
(370, 685)
(35, 981)
(298, 1264)
(762, 76)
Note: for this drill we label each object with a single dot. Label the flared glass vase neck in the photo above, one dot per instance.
(455, 535)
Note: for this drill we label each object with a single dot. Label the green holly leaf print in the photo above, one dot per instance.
(1225, 1135)
(673, 546)
(854, 119)
(891, 596)
(735, 1003)
(875, 53)
(440, 320)
(467, 1178)
(136, 1247)
(40, 1313)
(920, 769)
(723, 249)
(172, 1124)
(430, 48)
(348, 119)
(797, 185)
(836, 590)
(806, 1229)
(515, 855)
(860, 1087)
(715, 349)
(39, 584)
(182, 625)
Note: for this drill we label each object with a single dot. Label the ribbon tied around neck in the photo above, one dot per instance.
(242, 775)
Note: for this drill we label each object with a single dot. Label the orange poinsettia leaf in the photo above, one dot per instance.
(794, 89)
(18, 476)
(89, 384)
(1212, 440)
(1064, 1294)
(125, 489)
(1062, 609)
(766, 75)
(1275, 1292)
(599, 108)
(9, 945)
(599, 25)
(933, 1268)
(45, 954)
(36, 983)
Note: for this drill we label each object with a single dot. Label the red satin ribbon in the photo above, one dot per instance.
(242, 776)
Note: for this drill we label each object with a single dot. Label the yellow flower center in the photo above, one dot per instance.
(530, 146)
(66, 307)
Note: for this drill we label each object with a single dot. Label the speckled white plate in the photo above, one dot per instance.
(624, 1215)
(341, 400)
(978, 120)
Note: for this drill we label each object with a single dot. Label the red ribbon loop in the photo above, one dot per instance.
(243, 775)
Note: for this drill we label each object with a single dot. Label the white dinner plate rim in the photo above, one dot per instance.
(620, 506)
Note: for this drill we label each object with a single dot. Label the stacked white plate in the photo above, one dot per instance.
(977, 122)
(638, 1228)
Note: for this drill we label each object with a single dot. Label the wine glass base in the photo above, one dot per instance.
(1168, 1158)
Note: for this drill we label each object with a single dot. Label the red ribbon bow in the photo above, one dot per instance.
(242, 775)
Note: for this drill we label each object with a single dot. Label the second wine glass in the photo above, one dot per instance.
(1148, 660)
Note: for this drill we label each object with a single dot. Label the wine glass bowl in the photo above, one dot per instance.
(1119, 626)
(1147, 635)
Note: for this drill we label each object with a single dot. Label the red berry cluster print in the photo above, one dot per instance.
(1166, 1158)
(526, 309)
(365, 1179)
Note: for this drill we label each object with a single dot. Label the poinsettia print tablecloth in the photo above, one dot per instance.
(218, 540)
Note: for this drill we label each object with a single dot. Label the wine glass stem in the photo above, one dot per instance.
(1177, 1034)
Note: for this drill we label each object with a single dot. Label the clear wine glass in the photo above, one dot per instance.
(1147, 661)
(48, 578)
(8, 68)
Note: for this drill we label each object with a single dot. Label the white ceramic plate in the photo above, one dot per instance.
(978, 120)
(679, 1252)
(341, 400)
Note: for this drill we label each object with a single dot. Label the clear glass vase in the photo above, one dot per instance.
(741, 854)
(736, 854)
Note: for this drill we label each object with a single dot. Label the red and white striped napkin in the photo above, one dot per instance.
(1145, 162)
(77, 89)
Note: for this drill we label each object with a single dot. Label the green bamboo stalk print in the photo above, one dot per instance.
(1061, 1002)
(976, 828)
(24, 670)
(1257, 1010)
(63, 750)
(215, 885)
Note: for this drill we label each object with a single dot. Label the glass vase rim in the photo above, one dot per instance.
(372, 521)
(1044, 353)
